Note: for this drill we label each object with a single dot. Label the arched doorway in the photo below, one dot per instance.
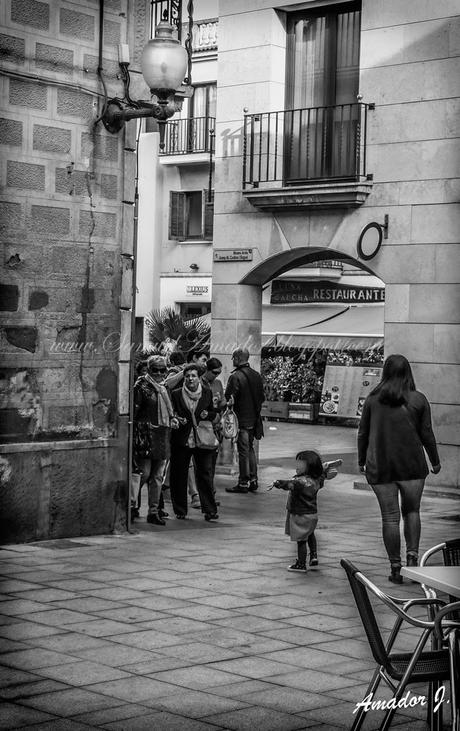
(282, 262)
(237, 297)
(322, 320)
(290, 352)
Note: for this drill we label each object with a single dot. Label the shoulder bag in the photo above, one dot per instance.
(205, 437)
(229, 423)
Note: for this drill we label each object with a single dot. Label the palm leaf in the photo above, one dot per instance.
(167, 324)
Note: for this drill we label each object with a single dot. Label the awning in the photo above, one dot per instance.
(338, 327)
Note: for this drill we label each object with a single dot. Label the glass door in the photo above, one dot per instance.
(322, 114)
(202, 107)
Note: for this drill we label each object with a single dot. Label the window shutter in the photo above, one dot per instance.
(176, 215)
(208, 214)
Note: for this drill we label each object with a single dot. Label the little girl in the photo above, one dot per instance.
(302, 511)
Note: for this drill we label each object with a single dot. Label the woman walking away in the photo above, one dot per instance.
(395, 426)
(302, 510)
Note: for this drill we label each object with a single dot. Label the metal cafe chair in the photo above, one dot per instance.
(448, 632)
(451, 557)
(397, 669)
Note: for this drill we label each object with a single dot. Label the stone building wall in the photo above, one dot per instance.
(66, 220)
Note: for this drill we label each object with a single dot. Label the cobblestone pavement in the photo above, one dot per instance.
(198, 625)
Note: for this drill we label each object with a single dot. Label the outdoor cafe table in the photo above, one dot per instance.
(447, 579)
(443, 578)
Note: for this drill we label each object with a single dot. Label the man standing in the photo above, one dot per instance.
(245, 392)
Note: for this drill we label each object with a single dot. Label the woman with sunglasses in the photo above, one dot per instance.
(153, 420)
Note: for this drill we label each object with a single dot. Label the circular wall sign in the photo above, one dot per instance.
(369, 243)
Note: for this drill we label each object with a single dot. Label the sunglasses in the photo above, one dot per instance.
(159, 370)
(216, 373)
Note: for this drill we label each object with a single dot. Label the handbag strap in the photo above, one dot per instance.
(194, 422)
(250, 391)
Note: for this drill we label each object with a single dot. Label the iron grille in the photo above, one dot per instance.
(294, 146)
(186, 136)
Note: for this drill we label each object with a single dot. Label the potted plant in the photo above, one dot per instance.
(276, 375)
(306, 387)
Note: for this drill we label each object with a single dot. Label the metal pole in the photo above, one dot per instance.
(133, 333)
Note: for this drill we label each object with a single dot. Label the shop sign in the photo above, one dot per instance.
(286, 291)
(197, 289)
(233, 255)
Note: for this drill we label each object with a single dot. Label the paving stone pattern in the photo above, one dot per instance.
(199, 626)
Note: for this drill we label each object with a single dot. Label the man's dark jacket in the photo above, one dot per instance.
(246, 387)
(180, 436)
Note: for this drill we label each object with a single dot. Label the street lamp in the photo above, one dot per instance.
(164, 64)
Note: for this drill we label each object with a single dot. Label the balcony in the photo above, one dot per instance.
(188, 140)
(306, 158)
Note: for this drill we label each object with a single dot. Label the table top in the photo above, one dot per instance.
(444, 578)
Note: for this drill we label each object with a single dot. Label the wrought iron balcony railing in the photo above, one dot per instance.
(296, 146)
(186, 136)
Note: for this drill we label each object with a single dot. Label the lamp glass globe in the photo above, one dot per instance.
(164, 60)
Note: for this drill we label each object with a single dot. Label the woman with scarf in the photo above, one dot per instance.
(153, 419)
(192, 402)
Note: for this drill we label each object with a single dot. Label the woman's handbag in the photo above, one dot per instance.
(205, 437)
(229, 422)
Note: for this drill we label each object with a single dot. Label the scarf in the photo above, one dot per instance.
(165, 409)
(191, 398)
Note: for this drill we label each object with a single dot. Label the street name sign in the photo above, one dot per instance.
(233, 255)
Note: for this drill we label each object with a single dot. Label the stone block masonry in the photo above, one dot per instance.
(61, 224)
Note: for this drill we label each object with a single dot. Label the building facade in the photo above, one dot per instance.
(330, 117)
(176, 191)
(67, 220)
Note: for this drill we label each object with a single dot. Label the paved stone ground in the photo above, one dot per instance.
(199, 625)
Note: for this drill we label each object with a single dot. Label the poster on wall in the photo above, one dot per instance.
(346, 385)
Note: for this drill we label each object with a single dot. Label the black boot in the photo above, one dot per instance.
(412, 559)
(395, 576)
(155, 519)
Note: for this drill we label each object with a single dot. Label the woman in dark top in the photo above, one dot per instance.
(395, 426)
(192, 402)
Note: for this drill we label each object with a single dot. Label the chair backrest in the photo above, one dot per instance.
(451, 552)
(451, 557)
(367, 614)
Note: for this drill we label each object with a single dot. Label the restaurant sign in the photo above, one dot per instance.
(286, 291)
(233, 255)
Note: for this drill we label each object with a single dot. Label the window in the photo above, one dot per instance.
(191, 215)
(202, 113)
(188, 310)
(203, 101)
(321, 93)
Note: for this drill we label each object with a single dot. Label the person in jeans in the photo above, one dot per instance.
(211, 379)
(153, 419)
(174, 379)
(394, 428)
(245, 393)
(193, 401)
